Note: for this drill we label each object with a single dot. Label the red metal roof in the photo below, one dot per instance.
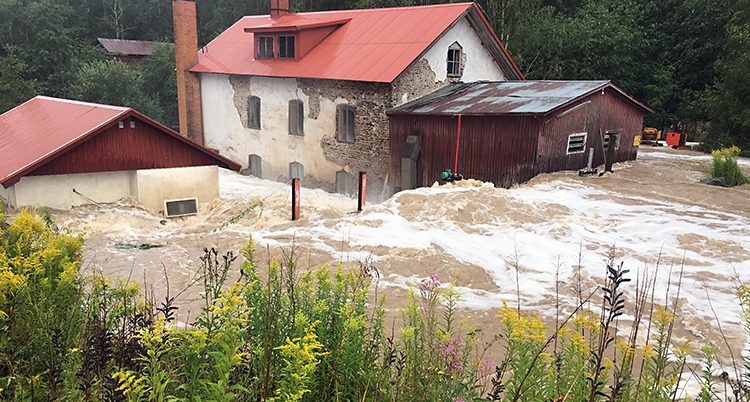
(130, 47)
(507, 98)
(43, 128)
(373, 45)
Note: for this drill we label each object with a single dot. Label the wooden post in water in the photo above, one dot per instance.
(362, 191)
(295, 199)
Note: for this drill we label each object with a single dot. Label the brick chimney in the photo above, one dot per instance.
(186, 56)
(279, 8)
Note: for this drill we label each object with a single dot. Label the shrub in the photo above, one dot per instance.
(724, 166)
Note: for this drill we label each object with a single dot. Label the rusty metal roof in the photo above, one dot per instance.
(374, 45)
(131, 47)
(37, 131)
(507, 97)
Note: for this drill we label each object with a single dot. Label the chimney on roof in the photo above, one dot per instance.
(279, 8)
(186, 56)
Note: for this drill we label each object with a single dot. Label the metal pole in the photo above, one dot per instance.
(458, 145)
(362, 193)
(295, 199)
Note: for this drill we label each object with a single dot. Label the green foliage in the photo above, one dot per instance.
(284, 335)
(724, 166)
(114, 83)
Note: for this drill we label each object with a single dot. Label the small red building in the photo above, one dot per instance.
(61, 153)
(508, 132)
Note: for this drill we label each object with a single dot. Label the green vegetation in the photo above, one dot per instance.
(319, 335)
(685, 58)
(724, 166)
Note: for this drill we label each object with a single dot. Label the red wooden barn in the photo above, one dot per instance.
(60, 153)
(508, 132)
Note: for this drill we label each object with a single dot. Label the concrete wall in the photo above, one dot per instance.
(56, 191)
(8, 195)
(153, 186)
(150, 187)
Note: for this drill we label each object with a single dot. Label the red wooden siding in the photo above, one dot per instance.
(114, 149)
(501, 151)
(595, 114)
(508, 149)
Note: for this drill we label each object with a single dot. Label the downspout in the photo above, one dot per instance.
(458, 145)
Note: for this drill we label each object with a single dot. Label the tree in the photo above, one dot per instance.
(159, 83)
(14, 88)
(114, 83)
(729, 99)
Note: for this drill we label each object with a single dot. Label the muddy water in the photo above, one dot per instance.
(473, 235)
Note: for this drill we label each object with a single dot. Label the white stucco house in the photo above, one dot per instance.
(305, 95)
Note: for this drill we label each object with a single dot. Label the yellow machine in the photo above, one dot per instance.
(650, 135)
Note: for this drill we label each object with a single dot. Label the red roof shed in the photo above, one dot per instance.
(48, 136)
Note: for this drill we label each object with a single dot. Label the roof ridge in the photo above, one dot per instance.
(79, 102)
(360, 10)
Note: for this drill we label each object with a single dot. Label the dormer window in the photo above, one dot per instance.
(286, 46)
(265, 47)
(454, 60)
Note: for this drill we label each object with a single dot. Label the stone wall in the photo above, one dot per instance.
(369, 151)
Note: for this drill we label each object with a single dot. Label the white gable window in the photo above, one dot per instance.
(576, 143)
(454, 60)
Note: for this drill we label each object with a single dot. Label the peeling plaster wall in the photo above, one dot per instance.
(8, 195)
(225, 111)
(225, 114)
(430, 72)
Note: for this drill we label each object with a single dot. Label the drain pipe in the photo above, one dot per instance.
(76, 191)
(458, 145)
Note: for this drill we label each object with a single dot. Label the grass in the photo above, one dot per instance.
(278, 334)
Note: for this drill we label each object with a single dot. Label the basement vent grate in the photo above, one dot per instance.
(183, 207)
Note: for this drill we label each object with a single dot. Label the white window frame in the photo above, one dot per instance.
(455, 48)
(585, 142)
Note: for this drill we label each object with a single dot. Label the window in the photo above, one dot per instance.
(265, 47)
(286, 47)
(296, 117)
(454, 60)
(296, 171)
(255, 165)
(609, 137)
(253, 112)
(576, 143)
(345, 123)
(345, 183)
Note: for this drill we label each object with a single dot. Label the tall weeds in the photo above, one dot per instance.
(281, 334)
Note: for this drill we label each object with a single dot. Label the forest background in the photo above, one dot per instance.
(687, 59)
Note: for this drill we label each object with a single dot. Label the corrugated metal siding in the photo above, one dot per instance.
(142, 147)
(594, 114)
(501, 151)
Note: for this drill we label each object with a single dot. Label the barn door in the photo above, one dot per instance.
(409, 159)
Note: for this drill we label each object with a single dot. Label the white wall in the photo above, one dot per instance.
(56, 191)
(479, 63)
(150, 187)
(8, 195)
(153, 186)
(223, 129)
